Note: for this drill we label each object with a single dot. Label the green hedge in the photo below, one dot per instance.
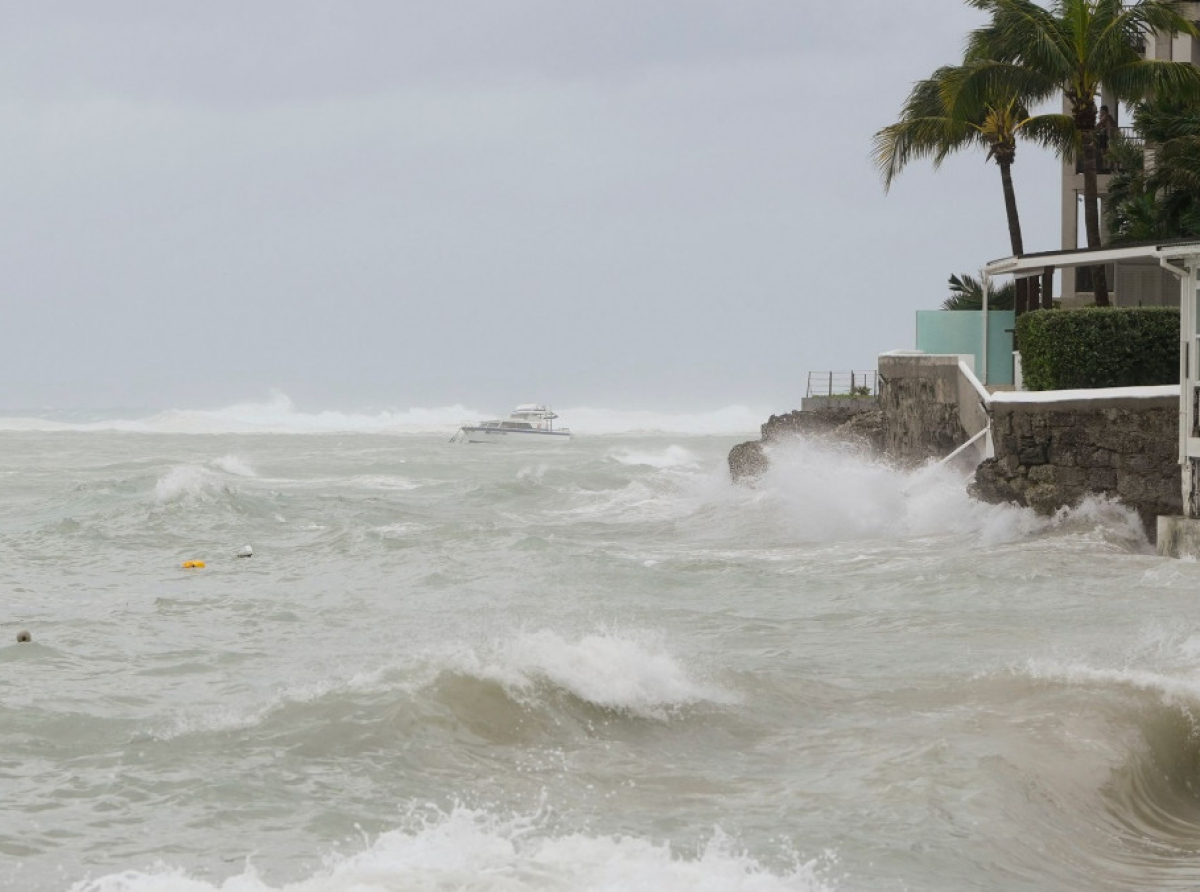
(1099, 347)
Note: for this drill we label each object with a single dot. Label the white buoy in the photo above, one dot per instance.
(245, 551)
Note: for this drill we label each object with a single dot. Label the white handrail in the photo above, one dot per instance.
(982, 433)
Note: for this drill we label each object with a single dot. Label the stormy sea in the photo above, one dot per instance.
(596, 666)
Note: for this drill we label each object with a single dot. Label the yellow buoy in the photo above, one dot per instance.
(193, 565)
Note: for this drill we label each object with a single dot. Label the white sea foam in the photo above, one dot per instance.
(384, 482)
(671, 457)
(210, 719)
(1172, 689)
(231, 464)
(831, 493)
(278, 414)
(625, 672)
(185, 482)
(473, 849)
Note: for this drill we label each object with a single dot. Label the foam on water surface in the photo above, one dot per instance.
(476, 850)
(624, 672)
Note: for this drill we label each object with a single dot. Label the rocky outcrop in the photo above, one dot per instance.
(1054, 454)
(861, 425)
(747, 461)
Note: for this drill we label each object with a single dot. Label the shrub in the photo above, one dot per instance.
(1099, 347)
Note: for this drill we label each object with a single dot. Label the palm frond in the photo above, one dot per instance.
(966, 293)
(1054, 132)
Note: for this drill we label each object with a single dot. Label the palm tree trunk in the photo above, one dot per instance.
(1021, 298)
(1091, 212)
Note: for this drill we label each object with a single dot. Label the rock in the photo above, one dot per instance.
(747, 461)
(863, 429)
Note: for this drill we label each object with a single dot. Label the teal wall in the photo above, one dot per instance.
(961, 331)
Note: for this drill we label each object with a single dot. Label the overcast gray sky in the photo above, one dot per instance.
(645, 204)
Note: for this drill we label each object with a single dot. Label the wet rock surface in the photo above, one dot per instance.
(749, 460)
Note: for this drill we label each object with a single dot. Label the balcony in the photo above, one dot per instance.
(1104, 164)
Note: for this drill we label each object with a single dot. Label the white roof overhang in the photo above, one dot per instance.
(1026, 265)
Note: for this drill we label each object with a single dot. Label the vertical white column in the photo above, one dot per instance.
(1187, 380)
(987, 287)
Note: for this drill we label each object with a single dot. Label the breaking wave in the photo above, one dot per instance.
(476, 849)
(634, 674)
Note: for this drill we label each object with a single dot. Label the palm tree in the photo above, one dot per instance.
(929, 128)
(1159, 200)
(966, 293)
(1174, 129)
(1076, 47)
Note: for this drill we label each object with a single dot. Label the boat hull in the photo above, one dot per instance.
(517, 437)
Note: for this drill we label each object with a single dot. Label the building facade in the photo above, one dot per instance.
(1130, 283)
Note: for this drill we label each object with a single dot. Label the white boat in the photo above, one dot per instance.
(528, 423)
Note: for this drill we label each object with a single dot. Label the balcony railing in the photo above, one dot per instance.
(1104, 163)
(843, 383)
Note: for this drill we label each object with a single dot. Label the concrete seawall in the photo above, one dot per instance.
(932, 405)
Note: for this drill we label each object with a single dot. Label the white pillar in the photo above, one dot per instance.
(987, 286)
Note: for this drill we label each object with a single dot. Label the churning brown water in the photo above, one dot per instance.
(597, 667)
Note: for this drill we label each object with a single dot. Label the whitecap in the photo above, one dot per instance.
(624, 672)
(231, 464)
(184, 482)
(671, 457)
(475, 849)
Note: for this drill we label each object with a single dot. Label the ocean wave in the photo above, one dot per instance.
(630, 673)
(232, 464)
(186, 482)
(194, 481)
(1170, 689)
(277, 414)
(671, 457)
(475, 849)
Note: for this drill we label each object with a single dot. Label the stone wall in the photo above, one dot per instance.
(1052, 454)
(930, 406)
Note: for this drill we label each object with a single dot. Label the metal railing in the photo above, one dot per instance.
(1104, 164)
(843, 383)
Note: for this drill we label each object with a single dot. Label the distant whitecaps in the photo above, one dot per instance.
(277, 414)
